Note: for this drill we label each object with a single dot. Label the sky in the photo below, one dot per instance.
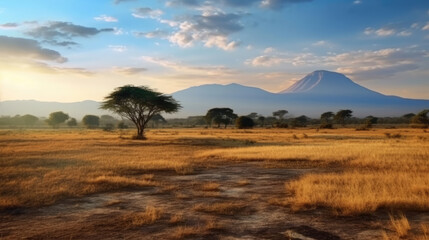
(67, 51)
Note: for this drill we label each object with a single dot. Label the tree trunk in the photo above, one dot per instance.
(140, 133)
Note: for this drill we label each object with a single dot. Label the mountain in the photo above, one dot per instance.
(318, 92)
(328, 83)
(43, 109)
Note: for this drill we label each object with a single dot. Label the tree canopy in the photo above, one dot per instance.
(139, 105)
(280, 113)
(220, 116)
(91, 121)
(56, 118)
(244, 122)
(342, 115)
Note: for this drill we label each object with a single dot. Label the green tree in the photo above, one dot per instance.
(300, 121)
(72, 122)
(220, 116)
(29, 120)
(326, 119)
(139, 105)
(280, 114)
(244, 122)
(261, 120)
(56, 118)
(342, 115)
(91, 121)
(369, 121)
(421, 118)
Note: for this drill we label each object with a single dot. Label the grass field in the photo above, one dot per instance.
(356, 172)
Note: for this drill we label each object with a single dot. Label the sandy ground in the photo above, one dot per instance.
(258, 188)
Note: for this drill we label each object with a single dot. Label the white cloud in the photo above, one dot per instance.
(153, 34)
(118, 48)
(363, 63)
(320, 43)
(357, 2)
(147, 13)
(210, 28)
(105, 18)
(426, 27)
(188, 69)
(269, 50)
(404, 33)
(129, 70)
(7, 26)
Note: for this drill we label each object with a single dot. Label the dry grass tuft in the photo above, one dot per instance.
(149, 216)
(210, 186)
(176, 218)
(243, 182)
(184, 232)
(221, 208)
(401, 225)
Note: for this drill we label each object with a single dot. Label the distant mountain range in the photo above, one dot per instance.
(318, 92)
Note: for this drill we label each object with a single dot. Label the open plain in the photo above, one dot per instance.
(215, 184)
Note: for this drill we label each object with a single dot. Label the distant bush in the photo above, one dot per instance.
(244, 122)
(108, 127)
(281, 125)
(122, 125)
(91, 121)
(326, 126)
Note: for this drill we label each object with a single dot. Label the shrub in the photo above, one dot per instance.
(244, 122)
(326, 126)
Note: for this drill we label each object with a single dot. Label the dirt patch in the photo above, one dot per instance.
(236, 211)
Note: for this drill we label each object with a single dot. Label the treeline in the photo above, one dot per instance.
(217, 117)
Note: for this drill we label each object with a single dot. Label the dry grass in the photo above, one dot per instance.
(210, 186)
(221, 208)
(149, 216)
(176, 218)
(400, 225)
(42, 167)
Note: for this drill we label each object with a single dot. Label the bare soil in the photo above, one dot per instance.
(262, 214)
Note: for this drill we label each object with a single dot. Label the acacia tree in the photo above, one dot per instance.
(342, 115)
(56, 118)
(139, 105)
(280, 114)
(220, 116)
(421, 118)
(91, 121)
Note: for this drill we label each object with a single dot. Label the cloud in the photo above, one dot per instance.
(118, 48)
(357, 2)
(27, 49)
(187, 69)
(147, 13)
(362, 64)
(120, 1)
(9, 25)
(426, 27)
(54, 32)
(278, 4)
(269, 50)
(382, 32)
(405, 33)
(270, 4)
(320, 43)
(211, 28)
(129, 70)
(152, 34)
(105, 18)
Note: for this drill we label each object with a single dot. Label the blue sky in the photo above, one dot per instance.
(62, 50)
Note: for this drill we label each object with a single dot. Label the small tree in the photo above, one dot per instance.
(421, 118)
(300, 121)
(56, 118)
(72, 122)
(244, 122)
(91, 121)
(342, 115)
(326, 119)
(369, 121)
(139, 105)
(280, 114)
(220, 116)
(261, 120)
(29, 120)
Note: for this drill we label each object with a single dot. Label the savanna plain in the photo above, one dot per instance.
(215, 184)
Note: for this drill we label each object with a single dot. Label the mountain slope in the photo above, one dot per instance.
(318, 92)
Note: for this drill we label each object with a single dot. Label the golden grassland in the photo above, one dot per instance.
(363, 171)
